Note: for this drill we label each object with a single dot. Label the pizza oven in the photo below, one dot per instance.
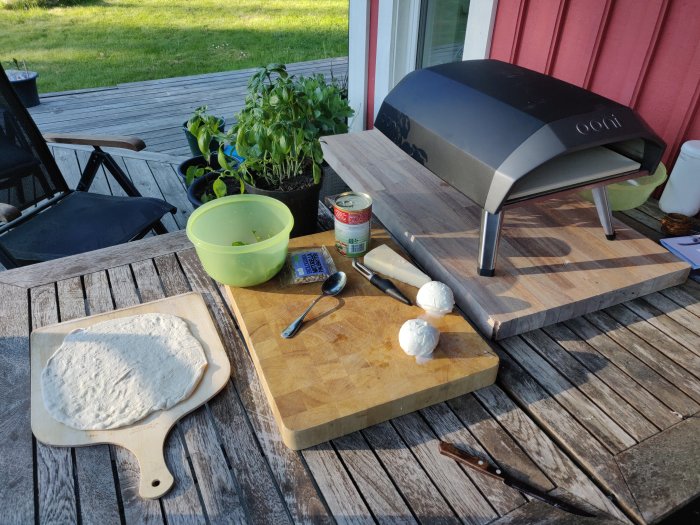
(504, 135)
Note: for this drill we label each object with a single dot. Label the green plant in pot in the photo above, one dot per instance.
(202, 130)
(277, 134)
(211, 173)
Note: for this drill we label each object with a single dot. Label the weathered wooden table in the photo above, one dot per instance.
(602, 410)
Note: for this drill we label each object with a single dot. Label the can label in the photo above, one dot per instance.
(352, 212)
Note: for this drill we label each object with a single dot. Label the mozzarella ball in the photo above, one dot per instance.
(418, 337)
(436, 298)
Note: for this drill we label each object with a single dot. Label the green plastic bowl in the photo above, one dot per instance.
(262, 223)
(631, 193)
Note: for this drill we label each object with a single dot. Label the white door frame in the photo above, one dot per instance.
(480, 21)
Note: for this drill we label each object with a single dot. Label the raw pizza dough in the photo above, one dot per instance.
(117, 372)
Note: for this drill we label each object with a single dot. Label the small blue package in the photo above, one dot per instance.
(308, 265)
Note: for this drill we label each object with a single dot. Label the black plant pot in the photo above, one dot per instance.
(302, 203)
(192, 141)
(199, 185)
(26, 89)
(331, 184)
(197, 162)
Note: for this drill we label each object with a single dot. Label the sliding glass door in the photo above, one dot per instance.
(441, 31)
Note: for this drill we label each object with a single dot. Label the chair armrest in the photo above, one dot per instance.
(8, 212)
(132, 143)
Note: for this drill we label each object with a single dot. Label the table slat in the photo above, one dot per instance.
(136, 510)
(449, 428)
(425, 500)
(611, 352)
(656, 360)
(343, 498)
(599, 424)
(549, 414)
(378, 491)
(260, 495)
(456, 487)
(543, 451)
(217, 483)
(589, 384)
(288, 470)
(596, 365)
(651, 325)
(93, 465)
(670, 318)
(56, 487)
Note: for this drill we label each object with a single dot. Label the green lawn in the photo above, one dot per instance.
(104, 42)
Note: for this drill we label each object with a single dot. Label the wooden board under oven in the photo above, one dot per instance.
(554, 261)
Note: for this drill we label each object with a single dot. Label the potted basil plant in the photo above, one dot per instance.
(201, 130)
(277, 135)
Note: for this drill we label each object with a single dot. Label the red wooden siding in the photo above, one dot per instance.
(642, 53)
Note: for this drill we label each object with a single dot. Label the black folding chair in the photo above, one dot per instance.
(40, 217)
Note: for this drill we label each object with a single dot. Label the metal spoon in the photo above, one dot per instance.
(331, 286)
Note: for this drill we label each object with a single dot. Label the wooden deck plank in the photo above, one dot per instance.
(158, 107)
(173, 190)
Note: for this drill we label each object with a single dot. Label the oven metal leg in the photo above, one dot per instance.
(600, 197)
(489, 237)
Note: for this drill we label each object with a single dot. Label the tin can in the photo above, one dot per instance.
(352, 212)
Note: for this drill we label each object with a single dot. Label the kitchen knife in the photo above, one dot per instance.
(449, 450)
(385, 285)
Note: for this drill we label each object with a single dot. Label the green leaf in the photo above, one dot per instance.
(239, 243)
(219, 188)
(193, 172)
(223, 159)
(203, 141)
